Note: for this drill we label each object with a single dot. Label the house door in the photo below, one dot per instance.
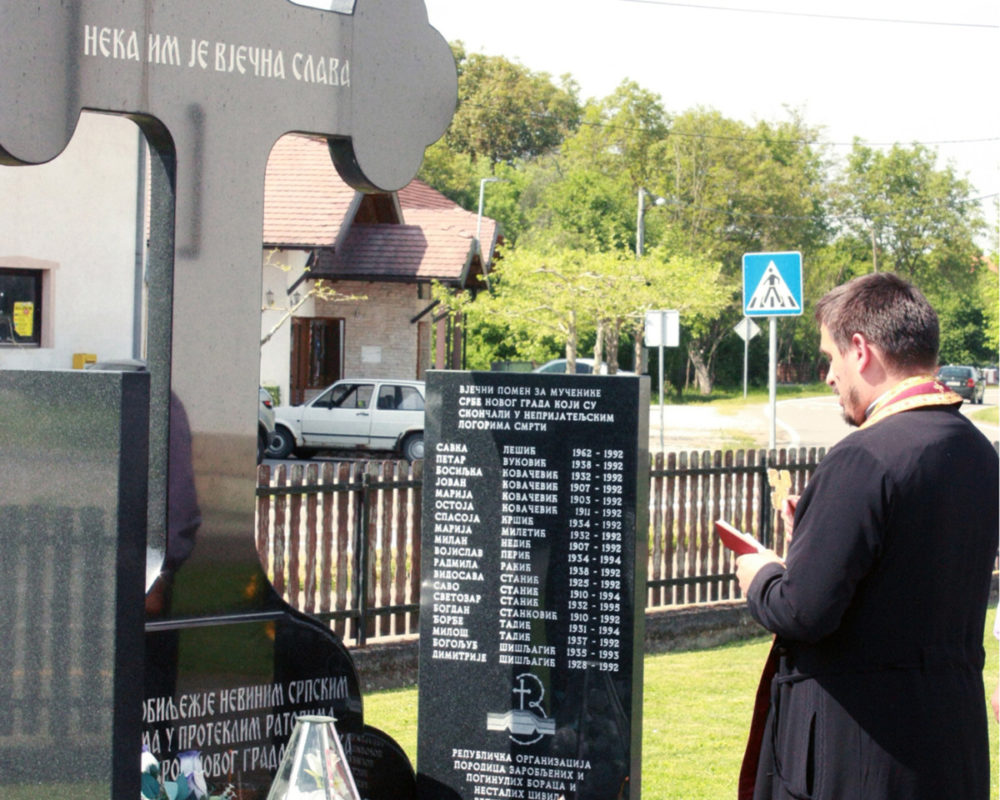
(317, 355)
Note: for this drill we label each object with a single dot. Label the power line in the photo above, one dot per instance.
(735, 213)
(543, 115)
(889, 20)
(671, 132)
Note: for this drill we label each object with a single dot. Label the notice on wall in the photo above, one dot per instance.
(24, 319)
(533, 583)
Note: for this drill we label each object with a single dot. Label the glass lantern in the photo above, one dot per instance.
(314, 767)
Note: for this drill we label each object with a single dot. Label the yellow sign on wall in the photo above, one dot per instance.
(24, 319)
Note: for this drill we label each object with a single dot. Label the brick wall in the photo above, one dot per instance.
(379, 339)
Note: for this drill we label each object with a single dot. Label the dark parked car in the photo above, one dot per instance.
(584, 366)
(966, 381)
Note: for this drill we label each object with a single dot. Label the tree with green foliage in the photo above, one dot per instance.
(571, 175)
(657, 280)
(919, 220)
(568, 294)
(508, 120)
(621, 135)
(734, 189)
(586, 198)
(583, 210)
(533, 295)
(506, 112)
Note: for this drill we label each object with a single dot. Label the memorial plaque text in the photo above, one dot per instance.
(531, 608)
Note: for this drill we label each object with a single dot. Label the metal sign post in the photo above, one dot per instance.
(746, 330)
(662, 330)
(772, 287)
(772, 380)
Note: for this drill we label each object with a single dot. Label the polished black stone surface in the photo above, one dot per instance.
(533, 568)
(212, 90)
(72, 559)
(380, 768)
(231, 690)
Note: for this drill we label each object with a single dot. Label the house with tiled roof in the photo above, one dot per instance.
(380, 254)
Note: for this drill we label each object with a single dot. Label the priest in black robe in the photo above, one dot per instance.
(879, 612)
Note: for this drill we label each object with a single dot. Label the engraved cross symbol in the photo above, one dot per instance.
(533, 693)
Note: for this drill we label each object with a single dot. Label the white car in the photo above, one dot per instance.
(265, 421)
(354, 414)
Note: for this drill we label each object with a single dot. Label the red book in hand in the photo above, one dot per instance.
(737, 541)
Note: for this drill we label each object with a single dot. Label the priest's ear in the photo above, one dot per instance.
(865, 354)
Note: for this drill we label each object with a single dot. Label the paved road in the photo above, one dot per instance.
(817, 421)
(805, 422)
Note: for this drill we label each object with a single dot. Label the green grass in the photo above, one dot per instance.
(733, 396)
(988, 415)
(696, 712)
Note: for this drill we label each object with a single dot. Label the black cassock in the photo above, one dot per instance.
(880, 615)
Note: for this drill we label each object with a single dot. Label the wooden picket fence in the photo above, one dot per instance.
(341, 540)
(688, 492)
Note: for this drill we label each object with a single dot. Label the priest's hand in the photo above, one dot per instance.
(749, 565)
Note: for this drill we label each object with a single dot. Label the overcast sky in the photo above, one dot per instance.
(884, 70)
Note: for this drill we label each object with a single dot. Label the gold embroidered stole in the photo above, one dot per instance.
(920, 391)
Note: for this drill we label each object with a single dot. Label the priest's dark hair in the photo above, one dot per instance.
(890, 313)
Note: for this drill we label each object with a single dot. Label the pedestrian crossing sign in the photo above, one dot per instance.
(772, 284)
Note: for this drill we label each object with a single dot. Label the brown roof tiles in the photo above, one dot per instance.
(308, 205)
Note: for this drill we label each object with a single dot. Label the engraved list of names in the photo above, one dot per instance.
(533, 576)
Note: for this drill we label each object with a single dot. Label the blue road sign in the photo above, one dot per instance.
(772, 284)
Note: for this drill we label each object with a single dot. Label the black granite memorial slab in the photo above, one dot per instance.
(231, 691)
(533, 576)
(72, 558)
(212, 87)
(380, 767)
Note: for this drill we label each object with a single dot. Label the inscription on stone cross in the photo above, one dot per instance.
(380, 82)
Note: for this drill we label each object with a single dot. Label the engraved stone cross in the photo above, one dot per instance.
(213, 84)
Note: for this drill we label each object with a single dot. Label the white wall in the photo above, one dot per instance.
(79, 212)
(281, 269)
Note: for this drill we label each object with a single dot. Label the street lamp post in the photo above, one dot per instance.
(640, 225)
(640, 235)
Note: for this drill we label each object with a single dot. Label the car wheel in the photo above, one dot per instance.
(413, 447)
(282, 443)
(261, 446)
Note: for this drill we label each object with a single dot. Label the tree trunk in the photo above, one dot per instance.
(639, 332)
(599, 346)
(571, 344)
(702, 370)
(612, 336)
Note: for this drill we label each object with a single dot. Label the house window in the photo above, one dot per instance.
(20, 307)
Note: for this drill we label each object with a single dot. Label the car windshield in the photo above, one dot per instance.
(954, 372)
(346, 395)
(582, 367)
